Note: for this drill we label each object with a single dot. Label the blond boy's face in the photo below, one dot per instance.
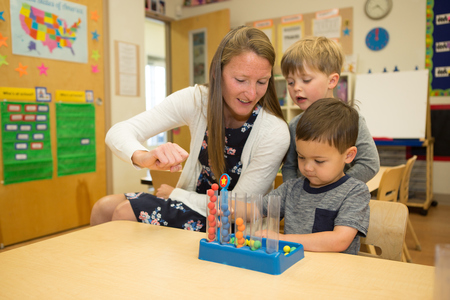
(321, 163)
(311, 85)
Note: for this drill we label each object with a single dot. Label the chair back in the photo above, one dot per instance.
(390, 183)
(387, 229)
(159, 177)
(404, 185)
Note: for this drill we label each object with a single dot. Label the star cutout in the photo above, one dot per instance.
(346, 31)
(1, 15)
(95, 69)
(95, 35)
(22, 70)
(94, 15)
(95, 55)
(3, 60)
(42, 69)
(3, 40)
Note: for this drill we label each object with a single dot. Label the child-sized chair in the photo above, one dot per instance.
(387, 228)
(404, 196)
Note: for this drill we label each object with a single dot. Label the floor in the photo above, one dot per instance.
(430, 230)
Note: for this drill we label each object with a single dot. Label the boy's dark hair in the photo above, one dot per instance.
(329, 120)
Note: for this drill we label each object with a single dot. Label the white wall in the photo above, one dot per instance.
(126, 24)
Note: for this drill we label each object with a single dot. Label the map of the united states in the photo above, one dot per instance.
(46, 27)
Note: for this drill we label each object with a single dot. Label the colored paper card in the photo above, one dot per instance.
(70, 96)
(25, 94)
(75, 133)
(26, 142)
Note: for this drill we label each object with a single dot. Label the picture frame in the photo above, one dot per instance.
(198, 60)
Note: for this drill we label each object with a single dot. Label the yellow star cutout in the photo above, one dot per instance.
(224, 181)
(22, 70)
(95, 55)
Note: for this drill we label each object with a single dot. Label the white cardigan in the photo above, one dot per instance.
(261, 157)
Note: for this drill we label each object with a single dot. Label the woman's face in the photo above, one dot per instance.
(244, 82)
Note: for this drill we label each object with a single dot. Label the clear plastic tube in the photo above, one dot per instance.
(273, 224)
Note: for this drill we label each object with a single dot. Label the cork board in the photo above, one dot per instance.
(40, 207)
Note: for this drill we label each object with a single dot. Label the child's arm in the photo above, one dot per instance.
(337, 240)
(366, 163)
(290, 165)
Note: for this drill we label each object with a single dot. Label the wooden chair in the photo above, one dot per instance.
(404, 196)
(387, 228)
(390, 183)
(159, 177)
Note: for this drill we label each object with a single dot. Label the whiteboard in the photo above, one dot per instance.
(394, 104)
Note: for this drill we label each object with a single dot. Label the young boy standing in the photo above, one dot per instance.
(312, 67)
(326, 210)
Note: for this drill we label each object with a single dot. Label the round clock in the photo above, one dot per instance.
(377, 9)
(377, 38)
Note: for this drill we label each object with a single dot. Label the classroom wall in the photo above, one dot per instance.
(406, 24)
(126, 24)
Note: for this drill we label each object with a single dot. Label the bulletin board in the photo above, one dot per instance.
(336, 24)
(57, 73)
(437, 58)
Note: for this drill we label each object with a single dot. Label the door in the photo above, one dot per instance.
(217, 25)
(35, 208)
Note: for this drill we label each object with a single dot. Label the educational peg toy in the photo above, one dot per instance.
(240, 216)
(225, 214)
(246, 248)
(212, 212)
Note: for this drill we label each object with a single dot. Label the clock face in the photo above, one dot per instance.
(377, 9)
(377, 39)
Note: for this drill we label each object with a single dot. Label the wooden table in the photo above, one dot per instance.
(374, 183)
(126, 260)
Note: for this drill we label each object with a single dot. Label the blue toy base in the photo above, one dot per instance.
(257, 260)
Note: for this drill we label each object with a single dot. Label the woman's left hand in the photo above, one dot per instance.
(164, 191)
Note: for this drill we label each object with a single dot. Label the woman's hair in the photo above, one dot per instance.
(319, 53)
(240, 40)
(331, 121)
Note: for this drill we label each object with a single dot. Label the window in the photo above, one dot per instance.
(155, 71)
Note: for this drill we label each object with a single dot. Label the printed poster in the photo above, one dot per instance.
(75, 133)
(52, 29)
(437, 58)
(26, 142)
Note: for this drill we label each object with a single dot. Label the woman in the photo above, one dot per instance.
(236, 127)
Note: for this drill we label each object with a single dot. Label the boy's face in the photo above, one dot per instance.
(321, 163)
(310, 86)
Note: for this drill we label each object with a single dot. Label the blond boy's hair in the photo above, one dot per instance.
(319, 53)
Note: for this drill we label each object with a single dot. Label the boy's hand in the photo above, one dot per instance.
(164, 191)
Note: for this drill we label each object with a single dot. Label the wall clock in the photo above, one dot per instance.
(377, 9)
(377, 38)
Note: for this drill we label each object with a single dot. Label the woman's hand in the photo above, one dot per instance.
(164, 191)
(168, 156)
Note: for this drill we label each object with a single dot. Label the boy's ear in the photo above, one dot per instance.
(333, 80)
(350, 154)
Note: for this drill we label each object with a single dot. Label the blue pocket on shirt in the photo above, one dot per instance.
(324, 220)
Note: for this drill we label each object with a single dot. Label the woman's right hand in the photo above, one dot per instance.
(168, 156)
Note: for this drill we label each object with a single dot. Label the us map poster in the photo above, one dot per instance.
(52, 29)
